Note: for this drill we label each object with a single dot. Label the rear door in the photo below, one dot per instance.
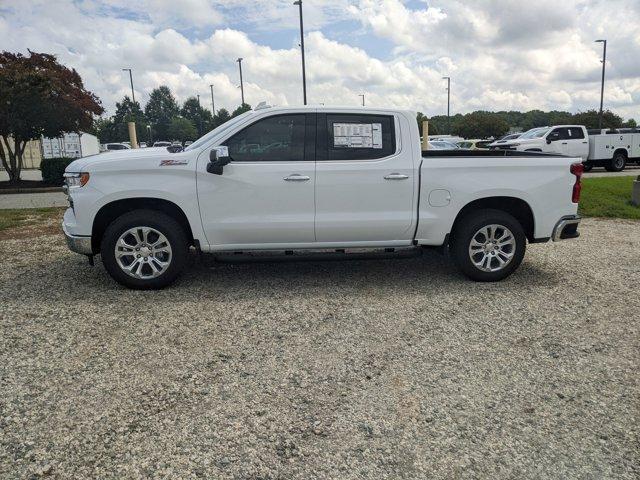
(266, 194)
(364, 179)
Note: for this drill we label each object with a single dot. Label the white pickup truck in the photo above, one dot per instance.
(310, 179)
(611, 149)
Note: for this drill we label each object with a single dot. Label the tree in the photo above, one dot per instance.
(181, 129)
(433, 127)
(39, 96)
(590, 119)
(480, 125)
(631, 123)
(221, 117)
(245, 107)
(160, 110)
(200, 117)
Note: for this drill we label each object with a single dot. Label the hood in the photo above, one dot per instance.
(85, 164)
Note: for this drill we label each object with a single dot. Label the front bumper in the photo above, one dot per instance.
(78, 244)
(566, 228)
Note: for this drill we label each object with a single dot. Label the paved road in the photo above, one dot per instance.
(601, 172)
(26, 175)
(33, 200)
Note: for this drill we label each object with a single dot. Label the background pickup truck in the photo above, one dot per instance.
(316, 178)
(611, 149)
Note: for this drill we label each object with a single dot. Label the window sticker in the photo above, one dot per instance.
(357, 135)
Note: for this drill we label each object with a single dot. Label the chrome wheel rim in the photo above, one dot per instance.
(492, 248)
(143, 253)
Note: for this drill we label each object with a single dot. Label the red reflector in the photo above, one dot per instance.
(576, 169)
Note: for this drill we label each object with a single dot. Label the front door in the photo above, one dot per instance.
(265, 195)
(365, 180)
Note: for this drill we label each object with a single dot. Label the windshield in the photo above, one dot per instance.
(219, 129)
(534, 133)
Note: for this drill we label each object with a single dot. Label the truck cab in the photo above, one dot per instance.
(569, 140)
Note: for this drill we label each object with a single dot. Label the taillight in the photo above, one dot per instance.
(577, 169)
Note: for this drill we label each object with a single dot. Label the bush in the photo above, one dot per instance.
(53, 169)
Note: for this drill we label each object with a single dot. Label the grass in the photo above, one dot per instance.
(608, 197)
(23, 217)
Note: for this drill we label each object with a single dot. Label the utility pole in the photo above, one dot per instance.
(362, 95)
(213, 103)
(448, 79)
(604, 63)
(133, 95)
(241, 84)
(304, 73)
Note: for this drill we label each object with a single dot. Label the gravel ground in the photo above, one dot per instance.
(360, 369)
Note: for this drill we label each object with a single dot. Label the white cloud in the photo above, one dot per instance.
(503, 54)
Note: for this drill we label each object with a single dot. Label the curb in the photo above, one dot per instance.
(8, 191)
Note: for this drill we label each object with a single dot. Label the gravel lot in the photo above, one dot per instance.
(361, 369)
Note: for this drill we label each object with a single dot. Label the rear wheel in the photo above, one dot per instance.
(617, 163)
(588, 166)
(144, 249)
(488, 245)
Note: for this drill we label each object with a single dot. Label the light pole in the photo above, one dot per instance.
(133, 95)
(241, 84)
(448, 79)
(604, 63)
(362, 95)
(213, 103)
(150, 138)
(304, 73)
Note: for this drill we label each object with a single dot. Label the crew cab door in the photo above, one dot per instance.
(265, 195)
(364, 179)
(570, 141)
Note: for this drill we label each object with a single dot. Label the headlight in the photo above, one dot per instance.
(76, 179)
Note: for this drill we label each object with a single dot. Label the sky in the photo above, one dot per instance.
(500, 54)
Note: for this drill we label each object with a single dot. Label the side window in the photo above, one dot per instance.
(576, 133)
(359, 137)
(277, 138)
(559, 134)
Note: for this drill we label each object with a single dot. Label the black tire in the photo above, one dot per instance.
(617, 163)
(588, 167)
(467, 227)
(167, 226)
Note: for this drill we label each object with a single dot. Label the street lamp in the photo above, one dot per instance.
(448, 79)
(241, 84)
(150, 138)
(362, 95)
(133, 95)
(304, 73)
(604, 62)
(213, 103)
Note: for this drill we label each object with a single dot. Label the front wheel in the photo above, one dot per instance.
(144, 249)
(488, 245)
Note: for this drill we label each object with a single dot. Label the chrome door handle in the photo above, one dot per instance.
(296, 177)
(396, 176)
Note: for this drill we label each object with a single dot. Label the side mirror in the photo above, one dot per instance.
(549, 140)
(218, 158)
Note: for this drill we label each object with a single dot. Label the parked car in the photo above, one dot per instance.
(187, 143)
(504, 139)
(161, 144)
(114, 146)
(608, 148)
(443, 145)
(143, 145)
(474, 144)
(316, 178)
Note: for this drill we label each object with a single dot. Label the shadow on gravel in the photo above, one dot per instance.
(71, 277)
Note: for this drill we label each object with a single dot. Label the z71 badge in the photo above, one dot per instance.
(168, 163)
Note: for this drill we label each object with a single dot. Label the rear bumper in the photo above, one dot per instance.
(76, 243)
(566, 228)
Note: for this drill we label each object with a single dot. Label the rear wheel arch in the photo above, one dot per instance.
(516, 207)
(111, 211)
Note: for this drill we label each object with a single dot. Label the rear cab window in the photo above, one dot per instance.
(346, 136)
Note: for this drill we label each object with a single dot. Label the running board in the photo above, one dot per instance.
(317, 255)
